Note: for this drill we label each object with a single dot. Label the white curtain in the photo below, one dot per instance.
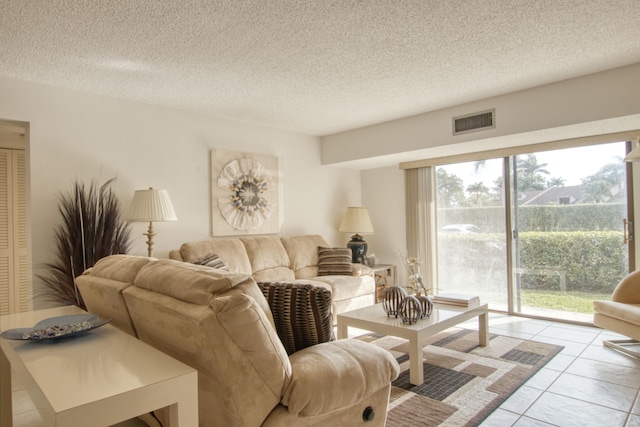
(421, 218)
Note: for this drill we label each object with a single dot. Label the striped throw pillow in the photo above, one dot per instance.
(212, 260)
(334, 261)
(301, 312)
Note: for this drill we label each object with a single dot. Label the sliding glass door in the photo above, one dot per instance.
(568, 210)
(539, 234)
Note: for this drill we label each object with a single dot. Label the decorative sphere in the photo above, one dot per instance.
(393, 300)
(411, 310)
(427, 305)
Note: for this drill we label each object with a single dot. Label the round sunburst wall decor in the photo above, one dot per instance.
(247, 208)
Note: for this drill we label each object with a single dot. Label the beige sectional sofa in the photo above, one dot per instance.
(220, 323)
(285, 259)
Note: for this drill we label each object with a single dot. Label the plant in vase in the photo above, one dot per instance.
(415, 283)
(91, 229)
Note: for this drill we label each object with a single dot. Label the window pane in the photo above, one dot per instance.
(471, 231)
(569, 248)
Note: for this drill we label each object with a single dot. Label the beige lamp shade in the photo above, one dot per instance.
(356, 220)
(151, 206)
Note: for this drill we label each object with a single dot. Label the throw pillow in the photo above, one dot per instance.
(301, 312)
(334, 261)
(212, 260)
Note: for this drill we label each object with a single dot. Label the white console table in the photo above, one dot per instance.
(98, 378)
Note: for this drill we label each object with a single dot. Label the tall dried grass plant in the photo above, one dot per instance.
(92, 228)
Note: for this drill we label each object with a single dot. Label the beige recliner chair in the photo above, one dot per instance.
(221, 324)
(621, 314)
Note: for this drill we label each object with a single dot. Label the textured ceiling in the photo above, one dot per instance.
(314, 67)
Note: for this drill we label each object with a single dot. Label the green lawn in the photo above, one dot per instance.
(577, 302)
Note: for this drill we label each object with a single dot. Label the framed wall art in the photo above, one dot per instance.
(246, 193)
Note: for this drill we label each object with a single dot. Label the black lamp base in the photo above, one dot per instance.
(358, 248)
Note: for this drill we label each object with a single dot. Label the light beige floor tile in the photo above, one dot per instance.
(570, 348)
(573, 335)
(612, 396)
(610, 335)
(560, 362)
(530, 422)
(636, 406)
(524, 327)
(510, 333)
(633, 421)
(608, 372)
(597, 351)
(584, 328)
(543, 379)
(500, 418)
(521, 400)
(567, 412)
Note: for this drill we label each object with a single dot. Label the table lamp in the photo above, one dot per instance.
(150, 206)
(356, 220)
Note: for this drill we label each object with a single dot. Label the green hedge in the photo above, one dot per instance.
(600, 216)
(586, 261)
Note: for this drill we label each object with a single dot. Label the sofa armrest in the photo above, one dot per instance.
(628, 290)
(361, 270)
(335, 375)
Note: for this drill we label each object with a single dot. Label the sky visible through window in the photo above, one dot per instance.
(571, 164)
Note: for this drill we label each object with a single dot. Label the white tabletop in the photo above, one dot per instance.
(77, 371)
(441, 314)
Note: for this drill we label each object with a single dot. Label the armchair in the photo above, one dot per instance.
(621, 314)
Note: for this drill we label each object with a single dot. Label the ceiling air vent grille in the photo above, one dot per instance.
(474, 122)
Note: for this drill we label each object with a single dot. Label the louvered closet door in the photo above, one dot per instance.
(6, 233)
(15, 283)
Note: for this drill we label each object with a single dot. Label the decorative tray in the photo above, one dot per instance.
(56, 328)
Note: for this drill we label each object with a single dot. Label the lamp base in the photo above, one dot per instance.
(358, 248)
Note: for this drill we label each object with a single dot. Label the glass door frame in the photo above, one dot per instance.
(508, 159)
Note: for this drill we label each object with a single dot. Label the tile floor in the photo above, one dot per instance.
(585, 385)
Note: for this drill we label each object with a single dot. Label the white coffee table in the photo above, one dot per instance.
(98, 378)
(374, 319)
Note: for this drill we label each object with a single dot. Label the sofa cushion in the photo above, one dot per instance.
(101, 287)
(246, 325)
(303, 254)
(334, 261)
(212, 260)
(347, 287)
(351, 370)
(301, 313)
(268, 258)
(123, 268)
(196, 284)
(232, 251)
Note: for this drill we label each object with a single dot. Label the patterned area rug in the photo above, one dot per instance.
(464, 382)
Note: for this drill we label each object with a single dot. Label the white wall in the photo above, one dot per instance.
(383, 195)
(600, 103)
(80, 135)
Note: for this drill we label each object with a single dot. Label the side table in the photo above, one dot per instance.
(385, 275)
(98, 378)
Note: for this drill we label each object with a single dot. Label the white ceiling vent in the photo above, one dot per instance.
(474, 122)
